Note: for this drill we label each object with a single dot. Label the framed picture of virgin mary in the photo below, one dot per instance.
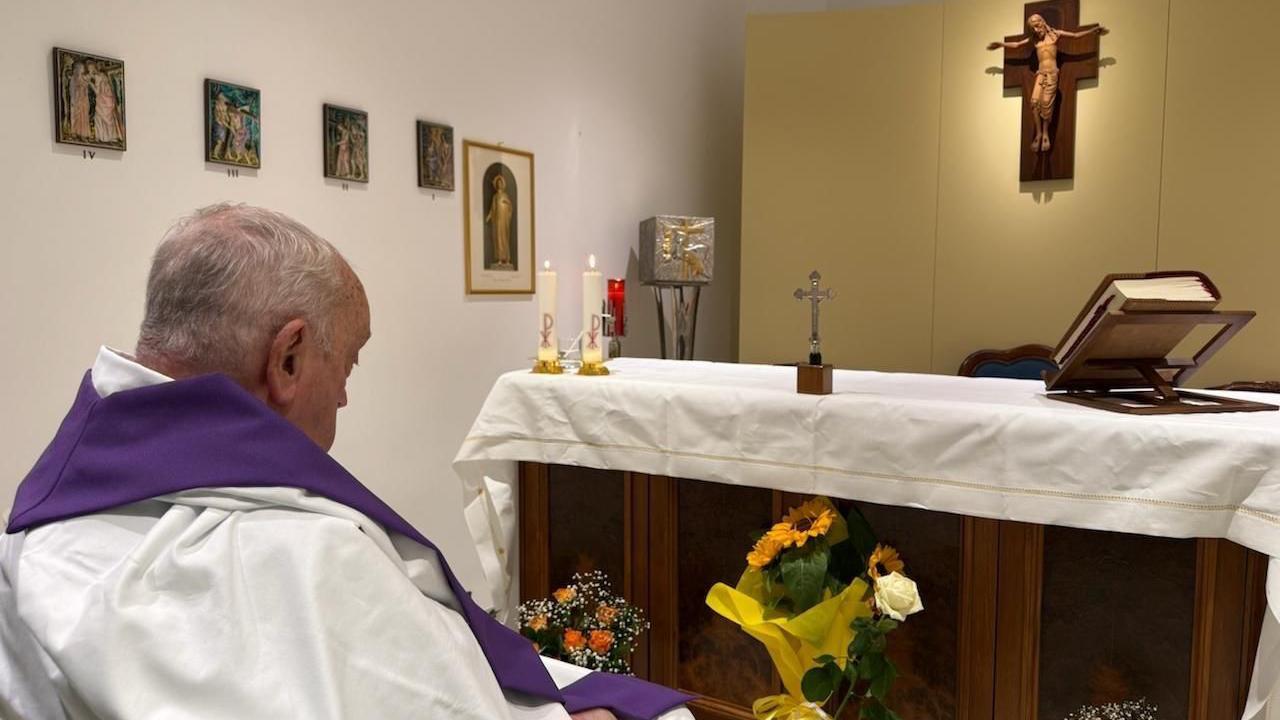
(498, 219)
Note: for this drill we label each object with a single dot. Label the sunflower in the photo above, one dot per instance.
(884, 560)
(810, 520)
(765, 550)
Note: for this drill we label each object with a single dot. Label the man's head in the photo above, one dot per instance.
(253, 294)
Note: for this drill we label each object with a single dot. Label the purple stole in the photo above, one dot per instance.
(207, 432)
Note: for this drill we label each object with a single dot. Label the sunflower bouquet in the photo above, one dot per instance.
(822, 595)
(584, 623)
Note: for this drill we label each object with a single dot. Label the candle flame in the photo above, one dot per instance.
(546, 264)
(591, 261)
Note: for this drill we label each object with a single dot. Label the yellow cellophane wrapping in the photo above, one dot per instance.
(793, 643)
(785, 707)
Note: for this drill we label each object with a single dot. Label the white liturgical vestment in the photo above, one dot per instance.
(237, 603)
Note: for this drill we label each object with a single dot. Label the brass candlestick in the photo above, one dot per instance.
(593, 368)
(548, 367)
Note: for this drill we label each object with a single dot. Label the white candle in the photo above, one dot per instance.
(548, 347)
(592, 305)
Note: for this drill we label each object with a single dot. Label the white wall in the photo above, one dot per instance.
(631, 109)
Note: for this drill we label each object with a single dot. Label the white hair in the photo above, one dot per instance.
(227, 277)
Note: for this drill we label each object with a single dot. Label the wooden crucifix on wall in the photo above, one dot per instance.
(1046, 62)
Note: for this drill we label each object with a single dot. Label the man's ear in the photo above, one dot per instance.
(284, 362)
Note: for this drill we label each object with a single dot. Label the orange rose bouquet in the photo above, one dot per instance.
(584, 623)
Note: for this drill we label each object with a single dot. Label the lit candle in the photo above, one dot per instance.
(592, 305)
(617, 306)
(548, 348)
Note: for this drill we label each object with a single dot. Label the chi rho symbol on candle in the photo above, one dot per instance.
(593, 334)
(548, 327)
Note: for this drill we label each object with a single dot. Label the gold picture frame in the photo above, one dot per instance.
(498, 206)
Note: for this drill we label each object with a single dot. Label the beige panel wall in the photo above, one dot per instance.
(840, 174)
(1222, 170)
(1182, 186)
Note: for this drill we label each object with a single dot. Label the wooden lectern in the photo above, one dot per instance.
(1121, 364)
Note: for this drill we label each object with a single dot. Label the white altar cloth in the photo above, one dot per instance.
(985, 447)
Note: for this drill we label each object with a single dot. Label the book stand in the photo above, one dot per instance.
(1120, 364)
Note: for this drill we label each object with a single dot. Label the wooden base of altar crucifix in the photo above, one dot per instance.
(813, 379)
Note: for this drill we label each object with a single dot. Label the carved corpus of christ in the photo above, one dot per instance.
(1046, 62)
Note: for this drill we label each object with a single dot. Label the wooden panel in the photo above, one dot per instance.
(714, 526)
(535, 513)
(1117, 622)
(975, 691)
(1255, 610)
(637, 558)
(925, 647)
(587, 524)
(1018, 585)
(712, 709)
(664, 557)
(1230, 598)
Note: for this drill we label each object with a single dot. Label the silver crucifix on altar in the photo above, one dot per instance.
(815, 296)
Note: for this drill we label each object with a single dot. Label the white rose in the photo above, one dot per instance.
(897, 596)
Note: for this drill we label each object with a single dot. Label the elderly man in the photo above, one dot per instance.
(186, 547)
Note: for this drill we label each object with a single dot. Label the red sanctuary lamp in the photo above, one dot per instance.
(616, 297)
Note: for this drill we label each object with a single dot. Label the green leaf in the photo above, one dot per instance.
(872, 710)
(871, 665)
(824, 659)
(817, 685)
(881, 685)
(861, 535)
(887, 625)
(804, 573)
(861, 644)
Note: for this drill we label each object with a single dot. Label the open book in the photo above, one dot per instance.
(1153, 292)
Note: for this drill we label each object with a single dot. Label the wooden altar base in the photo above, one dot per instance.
(1021, 622)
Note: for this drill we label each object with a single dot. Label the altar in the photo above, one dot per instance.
(1067, 556)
